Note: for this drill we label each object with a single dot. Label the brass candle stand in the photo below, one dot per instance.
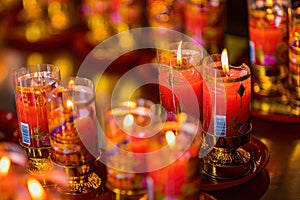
(226, 158)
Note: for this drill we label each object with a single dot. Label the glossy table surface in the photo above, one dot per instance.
(279, 180)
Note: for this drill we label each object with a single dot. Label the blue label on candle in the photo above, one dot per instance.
(220, 125)
(252, 51)
(25, 133)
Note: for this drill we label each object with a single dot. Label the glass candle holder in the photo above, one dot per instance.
(227, 97)
(294, 58)
(173, 161)
(73, 133)
(180, 81)
(126, 129)
(205, 23)
(31, 84)
(268, 21)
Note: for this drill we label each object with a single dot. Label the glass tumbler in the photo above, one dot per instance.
(31, 83)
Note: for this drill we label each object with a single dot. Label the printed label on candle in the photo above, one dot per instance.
(252, 51)
(220, 125)
(25, 133)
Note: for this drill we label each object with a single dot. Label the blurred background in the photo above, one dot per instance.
(63, 32)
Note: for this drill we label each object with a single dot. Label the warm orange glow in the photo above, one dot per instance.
(224, 60)
(35, 189)
(4, 165)
(128, 120)
(179, 54)
(69, 104)
(170, 138)
(71, 83)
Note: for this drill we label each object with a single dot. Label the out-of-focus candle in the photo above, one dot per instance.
(205, 23)
(127, 130)
(180, 82)
(4, 165)
(268, 22)
(174, 174)
(226, 97)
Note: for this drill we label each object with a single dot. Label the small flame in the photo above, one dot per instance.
(170, 137)
(179, 54)
(35, 189)
(71, 83)
(4, 165)
(224, 60)
(69, 104)
(128, 120)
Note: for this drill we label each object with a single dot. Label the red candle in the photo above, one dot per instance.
(205, 23)
(31, 84)
(180, 82)
(173, 161)
(226, 97)
(127, 130)
(264, 27)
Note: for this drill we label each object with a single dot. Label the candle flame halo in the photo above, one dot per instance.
(35, 189)
(170, 138)
(128, 120)
(224, 61)
(4, 165)
(179, 54)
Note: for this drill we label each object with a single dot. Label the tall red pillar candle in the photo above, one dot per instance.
(226, 98)
(268, 32)
(31, 84)
(180, 82)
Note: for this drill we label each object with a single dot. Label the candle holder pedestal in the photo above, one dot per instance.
(82, 180)
(121, 194)
(227, 159)
(39, 162)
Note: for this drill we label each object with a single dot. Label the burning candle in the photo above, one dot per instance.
(127, 129)
(72, 122)
(268, 22)
(31, 85)
(205, 23)
(4, 165)
(226, 96)
(173, 161)
(180, 83)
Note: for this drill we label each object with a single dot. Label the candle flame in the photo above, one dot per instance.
(35, 189)
(179, 54)
(170, 138)
(224, 61)
(4, 165)
(71, 83)
(69, 104)
(128, 120)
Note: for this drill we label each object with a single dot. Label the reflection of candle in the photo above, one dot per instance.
(226, 98)
(35, 189)
(180, 83)
(267, 25)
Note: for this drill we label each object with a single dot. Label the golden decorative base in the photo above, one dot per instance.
(39, 162)
(226, 158)
(121, 194)
(82, 180)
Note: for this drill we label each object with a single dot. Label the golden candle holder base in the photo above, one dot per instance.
(227, 159)
(39, 162)
(82, 180)
(121, 194)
